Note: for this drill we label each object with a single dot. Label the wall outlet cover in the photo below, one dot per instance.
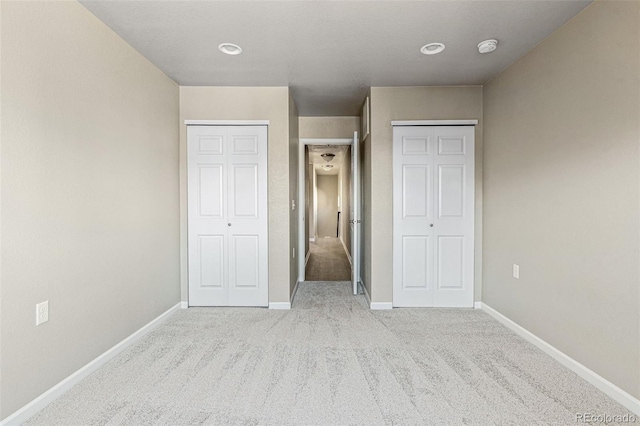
(42, 312)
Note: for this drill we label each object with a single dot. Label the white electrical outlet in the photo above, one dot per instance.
(516, 271)
(42, 312)
(293, 204)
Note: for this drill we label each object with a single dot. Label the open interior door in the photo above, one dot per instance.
(354, 220)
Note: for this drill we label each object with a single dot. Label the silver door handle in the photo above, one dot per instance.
(229, 224)
(431, 225)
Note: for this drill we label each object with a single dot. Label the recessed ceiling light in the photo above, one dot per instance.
(487, 46)
(230, 49)
(432, 48)
(327, 166)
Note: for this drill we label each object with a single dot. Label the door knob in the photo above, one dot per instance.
(430, 225)
(229, 224)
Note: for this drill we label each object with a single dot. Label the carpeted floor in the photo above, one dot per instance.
(328, 261)
(329, 361)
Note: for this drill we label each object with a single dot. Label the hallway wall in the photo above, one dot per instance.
(329, 127)
(327, 207)
(344, 179)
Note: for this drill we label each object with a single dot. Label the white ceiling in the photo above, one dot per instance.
(330, 52)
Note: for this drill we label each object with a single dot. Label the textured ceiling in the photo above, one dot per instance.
(330, 52)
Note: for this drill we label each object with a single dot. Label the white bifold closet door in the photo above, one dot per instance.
(227, 215)
(433, 216)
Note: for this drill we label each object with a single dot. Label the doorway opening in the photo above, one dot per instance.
(328, 177)
(330, 205)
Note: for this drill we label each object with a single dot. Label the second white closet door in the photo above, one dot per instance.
(433, 216)
(227, 210)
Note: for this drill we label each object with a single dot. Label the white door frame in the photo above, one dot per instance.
(301, 194)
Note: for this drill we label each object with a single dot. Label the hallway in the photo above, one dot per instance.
(328, 261)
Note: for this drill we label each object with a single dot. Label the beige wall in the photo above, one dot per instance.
(329, 127)
(344, 177)
(409, 103)
(366, 234)
(247, 103)
(327, 205)
(294, 144)
(89, 194)
(562, 174)
(308, 201)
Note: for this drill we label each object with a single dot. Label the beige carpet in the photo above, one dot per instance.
(329, 361)
(327, 261)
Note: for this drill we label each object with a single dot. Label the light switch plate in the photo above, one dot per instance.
(516, 271)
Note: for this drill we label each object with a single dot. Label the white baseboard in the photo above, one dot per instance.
(184, 305)
(346, 251)
(313, 240)
(613, 391)
(375, 306)
(380, 306)
(477, 305)
(26, 412)
(279, 305)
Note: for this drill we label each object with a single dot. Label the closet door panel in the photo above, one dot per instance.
(433, 216)
(207, 216)
(227, 215)
(413, 202)
(247, 197)
(454, 221)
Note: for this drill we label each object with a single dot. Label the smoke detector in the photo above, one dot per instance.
(487, 46)
(328, 156)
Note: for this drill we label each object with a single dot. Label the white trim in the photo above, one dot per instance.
(29, 410)
(184, 305)
(329, 141)
(346, 251)
(613, 391)
(365, 113)
(434, 122)
(295, 290)
(226, 122)
(380, 306)
(477, 305)
(312, 239)
(279, 305)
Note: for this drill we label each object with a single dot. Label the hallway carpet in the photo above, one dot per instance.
(329, 361)
(328, 261)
